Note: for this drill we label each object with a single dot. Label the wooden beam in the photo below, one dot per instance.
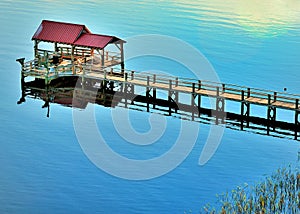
(103, 58)
(122, 51)
(36, 47)
(72, 59)
(55, 47)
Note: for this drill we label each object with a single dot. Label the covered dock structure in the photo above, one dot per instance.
(75, 49)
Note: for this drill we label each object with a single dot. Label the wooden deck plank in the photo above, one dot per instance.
(284, 104)
(256, 100)
(230, 96)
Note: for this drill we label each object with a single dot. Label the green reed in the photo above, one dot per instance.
(278, 193)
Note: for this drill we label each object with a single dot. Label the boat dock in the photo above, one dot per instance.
(104, 70)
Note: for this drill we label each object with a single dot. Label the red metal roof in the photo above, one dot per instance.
(72, 34)
(60, 32)
(95, 40)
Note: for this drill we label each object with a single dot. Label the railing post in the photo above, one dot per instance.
(125, 76)
(170, 84)
(275, 96)
(223, 87)
(176, 81)
(199, 84)
(104, 74)
(218, 91)
(148, 94)
(170, 97)
(132, 75)
(242, 109)
(249, 93)
(154, 78)
(193, 85)
(271, 115)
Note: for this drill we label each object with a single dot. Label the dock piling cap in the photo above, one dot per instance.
(21, 60)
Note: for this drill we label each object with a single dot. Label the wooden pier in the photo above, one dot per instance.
(121, 86)
(105, 71)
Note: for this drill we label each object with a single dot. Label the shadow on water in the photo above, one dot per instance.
(70, 91)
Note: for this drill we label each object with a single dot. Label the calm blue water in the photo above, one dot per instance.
(43, 169)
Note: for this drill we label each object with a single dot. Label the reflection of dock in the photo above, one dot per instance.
(63, 91)
(99, 73)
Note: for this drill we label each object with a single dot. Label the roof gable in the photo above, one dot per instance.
(60, 32)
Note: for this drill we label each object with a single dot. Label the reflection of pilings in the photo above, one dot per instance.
(128, 90)
(22, 99)
(108, 84)
(245, 110)
(271, 114)
(297, 122)
(220, 107)
(47, 100)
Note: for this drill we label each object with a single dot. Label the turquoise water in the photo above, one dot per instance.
(43, 168)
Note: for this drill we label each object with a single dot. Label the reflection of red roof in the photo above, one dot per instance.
(72, 34)
(69, 101)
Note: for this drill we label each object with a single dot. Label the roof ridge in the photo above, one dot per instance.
(60, 22)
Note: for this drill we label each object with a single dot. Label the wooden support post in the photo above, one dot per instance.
(154, 97)
(244, 115)
(122, 67)
(102, 57)
(22, 99)
(220, 107)
(271, 115)
(36, 47)
(154, 78)
(72, 59)
(297, 122)
(268, 114)
(105, 75)
(132, 75)
(249, 93)
(55, 47)
(148, 94)
(242, 110)
(199, 104)
(223, 88)
(125, 91)
(23, 95)
(176, 81)
(83, 77)
(111, 86)
(122, 51)
(170, 97)
(193, 96)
